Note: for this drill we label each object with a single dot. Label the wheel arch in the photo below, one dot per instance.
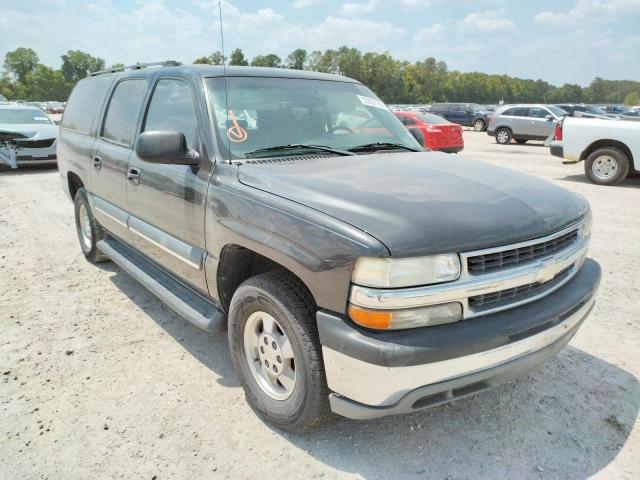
(238, 263)
(74, 183)
(607, 143)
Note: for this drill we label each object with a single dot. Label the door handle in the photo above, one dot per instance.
(97, 163)
(133, 175)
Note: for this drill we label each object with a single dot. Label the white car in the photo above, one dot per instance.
(27, 136)
(609, 148)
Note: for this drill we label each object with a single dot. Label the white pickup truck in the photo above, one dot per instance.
(610, 148)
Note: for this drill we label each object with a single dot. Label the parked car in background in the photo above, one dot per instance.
(572, 108)
(466, 114)
(610, 149)
(613, 108)
(27, 136)
(524, 122)
(631, 112)
(439, 134)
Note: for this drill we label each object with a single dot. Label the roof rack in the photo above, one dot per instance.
(138, 66)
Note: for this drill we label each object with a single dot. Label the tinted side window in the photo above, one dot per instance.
(84, 103)
(122, 113)
(538, 112)
(457, 108)
(520, 112)
(171, 108)
(409, 121)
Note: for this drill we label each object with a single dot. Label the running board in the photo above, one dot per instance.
(181, 299)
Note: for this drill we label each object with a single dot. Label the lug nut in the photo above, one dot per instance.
(261, 349)
(275, 369)
(273, 344)
(279, 359)
(266, 363)
(266, 341)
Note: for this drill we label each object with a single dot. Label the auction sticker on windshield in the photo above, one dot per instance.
(372, 102)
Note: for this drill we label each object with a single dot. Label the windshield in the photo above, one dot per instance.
(595, 110)
(267, 112)
(431, 119)
(558, 112)
(23, 116)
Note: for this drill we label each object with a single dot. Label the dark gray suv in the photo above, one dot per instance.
(354, 271)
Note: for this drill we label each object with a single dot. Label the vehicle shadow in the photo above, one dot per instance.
(568, 419)
(631, 181)
(27, 169)
(210, 350)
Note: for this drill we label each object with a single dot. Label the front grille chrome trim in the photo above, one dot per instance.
(539, 270)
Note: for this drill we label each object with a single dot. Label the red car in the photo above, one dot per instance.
(439, 134)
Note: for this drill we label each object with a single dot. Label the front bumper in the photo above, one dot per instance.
(374, 374)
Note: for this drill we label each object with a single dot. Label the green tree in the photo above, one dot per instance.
(21, 62)
(632, 99)
(297, 59)
(45, 83)
(270, 60)
(77, 64)
(216, 58)
(237, 58)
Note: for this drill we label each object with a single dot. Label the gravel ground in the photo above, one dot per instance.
(100, 380)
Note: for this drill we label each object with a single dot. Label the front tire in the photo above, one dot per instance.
(479, 125)
(607, 166)
(89, 231)
(503, 136)
(276, 351)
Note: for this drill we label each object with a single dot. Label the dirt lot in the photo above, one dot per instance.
(100, 380)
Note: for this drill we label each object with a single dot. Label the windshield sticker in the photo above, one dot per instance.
(41, 118)
(236, 133)
(372, 102)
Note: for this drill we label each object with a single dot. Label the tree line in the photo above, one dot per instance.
(393, 80)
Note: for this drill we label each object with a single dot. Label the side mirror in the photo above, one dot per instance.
(165, 148)
(56, 122)
(418, 135)
(548, 117)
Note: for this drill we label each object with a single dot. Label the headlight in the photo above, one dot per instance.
(406, 272)
(406, 318)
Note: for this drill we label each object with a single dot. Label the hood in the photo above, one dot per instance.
(37, 131)
(422, 203)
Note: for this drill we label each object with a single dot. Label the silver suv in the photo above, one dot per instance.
(524, 122)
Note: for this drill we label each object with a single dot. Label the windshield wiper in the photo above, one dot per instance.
(297, 146)
(372, 147)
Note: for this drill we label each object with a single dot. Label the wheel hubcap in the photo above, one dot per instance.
(503, 137)
(85, 227)
(269, 355)
(604, 167)
(479, 126)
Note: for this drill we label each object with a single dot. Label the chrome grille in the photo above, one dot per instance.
(490, 262)
(517, 294)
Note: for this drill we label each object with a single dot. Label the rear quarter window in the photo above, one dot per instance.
(84, 103)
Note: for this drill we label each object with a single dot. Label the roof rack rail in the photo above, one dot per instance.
(137, 66)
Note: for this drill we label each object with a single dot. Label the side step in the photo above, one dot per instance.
(185, 302)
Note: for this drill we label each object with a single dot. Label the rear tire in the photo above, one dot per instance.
(285, 382)
(607, 166)
(89, 231)
(479, 125)
(503, 136)
(521, 141)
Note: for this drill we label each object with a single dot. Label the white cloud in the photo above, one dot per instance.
(588, 12)
(489, 21)
(415, 3)
(358, 8)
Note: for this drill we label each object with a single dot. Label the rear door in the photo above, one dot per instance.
(519, 122)
(167, 202)
(112, 151)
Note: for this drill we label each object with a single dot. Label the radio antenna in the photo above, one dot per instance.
(224, 76)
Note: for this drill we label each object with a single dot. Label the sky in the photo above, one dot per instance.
(560, 41)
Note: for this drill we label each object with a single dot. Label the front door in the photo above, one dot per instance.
(541, 127)
(167, 202)
(111, 154)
